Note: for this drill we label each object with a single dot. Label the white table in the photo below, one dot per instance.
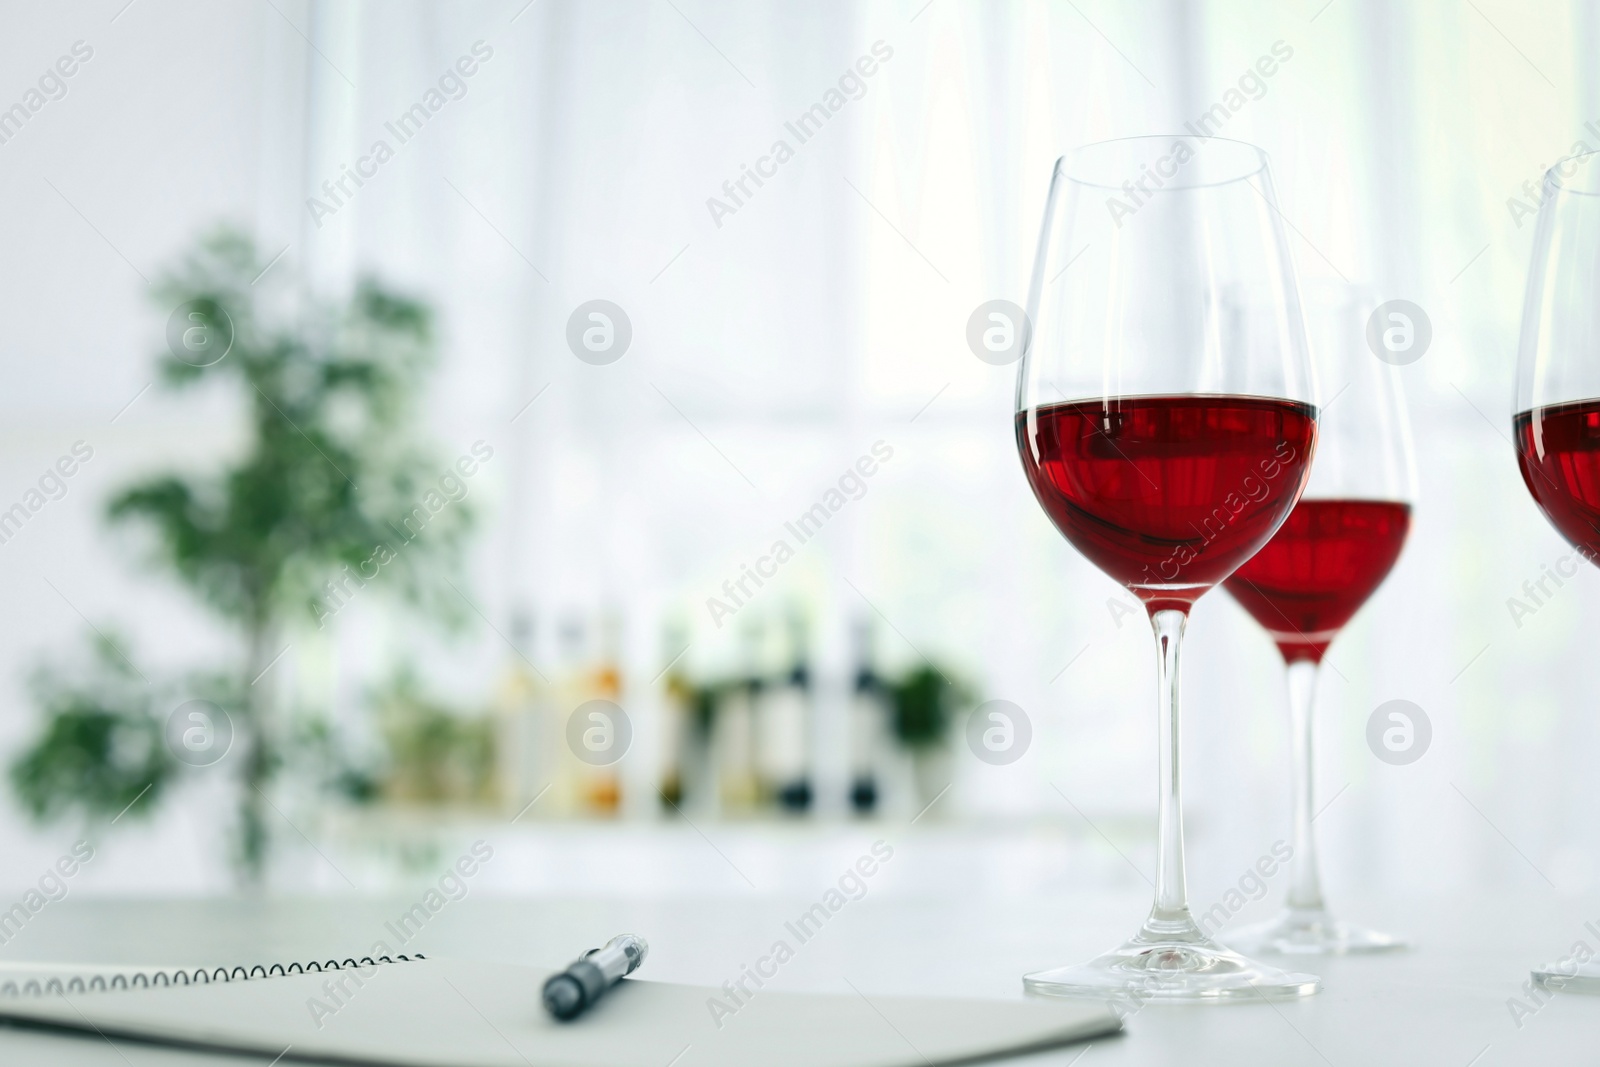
(1442, 1003)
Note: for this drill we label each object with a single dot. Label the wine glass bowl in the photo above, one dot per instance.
(1165, 422)
(1133, 483)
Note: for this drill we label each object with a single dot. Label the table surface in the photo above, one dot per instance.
(1443, 1002)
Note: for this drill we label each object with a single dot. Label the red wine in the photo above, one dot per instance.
(1168, 494)
(1318, 569)
(1558, 449)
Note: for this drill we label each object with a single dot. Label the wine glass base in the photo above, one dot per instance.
(1144, 969)
(1569, 977)
(1303, 932)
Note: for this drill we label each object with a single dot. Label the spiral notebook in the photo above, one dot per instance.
(46, 979)
(454, 1013)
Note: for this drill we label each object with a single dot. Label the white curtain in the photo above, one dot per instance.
(773, 345)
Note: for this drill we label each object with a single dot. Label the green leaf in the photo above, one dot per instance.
(101, 746)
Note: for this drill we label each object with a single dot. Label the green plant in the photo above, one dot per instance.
(328, 490)
(923, 704)
(324, 760)
(101, 747)
(436, 754)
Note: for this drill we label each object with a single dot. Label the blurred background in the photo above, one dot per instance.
(391, 318)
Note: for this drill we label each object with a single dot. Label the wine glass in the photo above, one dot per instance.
(1338, 545)
(1166, 425)
(1556, 421)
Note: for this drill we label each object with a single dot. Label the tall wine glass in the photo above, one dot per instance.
(1556, 424)
(1339, 544)
(1165, 422)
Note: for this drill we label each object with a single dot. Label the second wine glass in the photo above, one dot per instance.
(1336, 548)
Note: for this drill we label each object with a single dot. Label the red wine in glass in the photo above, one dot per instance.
(1318, 569)
(1168, 494)
(1558, 449)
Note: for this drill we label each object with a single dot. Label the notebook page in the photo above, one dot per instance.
(439, 1013)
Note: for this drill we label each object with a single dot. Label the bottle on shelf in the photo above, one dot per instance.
(783, 718)
(524, 747)
(600, 785)
(868, 722)
(678, 727)
(733, 730)
(569, 689)
(580, 786)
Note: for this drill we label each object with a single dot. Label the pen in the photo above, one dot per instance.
(569, 993)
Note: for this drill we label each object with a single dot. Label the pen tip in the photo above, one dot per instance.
(563, 996)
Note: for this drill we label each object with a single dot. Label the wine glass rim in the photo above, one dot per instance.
(1359, 498)
(1108, 399)
(1555, 179)
(1165, 183)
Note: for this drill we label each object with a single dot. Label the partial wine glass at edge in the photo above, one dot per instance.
(1556, 418)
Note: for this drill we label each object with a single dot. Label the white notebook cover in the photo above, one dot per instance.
(453, 1013)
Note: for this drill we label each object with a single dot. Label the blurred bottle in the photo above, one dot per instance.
(581, 786)
(869, 715)
(783, 719)
(600, 789)
(526, 755)
(570, 689)
(677, 718)
(733, 737)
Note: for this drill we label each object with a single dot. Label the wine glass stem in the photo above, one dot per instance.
(1170, 917)
(1305, 887)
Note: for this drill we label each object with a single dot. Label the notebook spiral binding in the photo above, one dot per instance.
(159, 979)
